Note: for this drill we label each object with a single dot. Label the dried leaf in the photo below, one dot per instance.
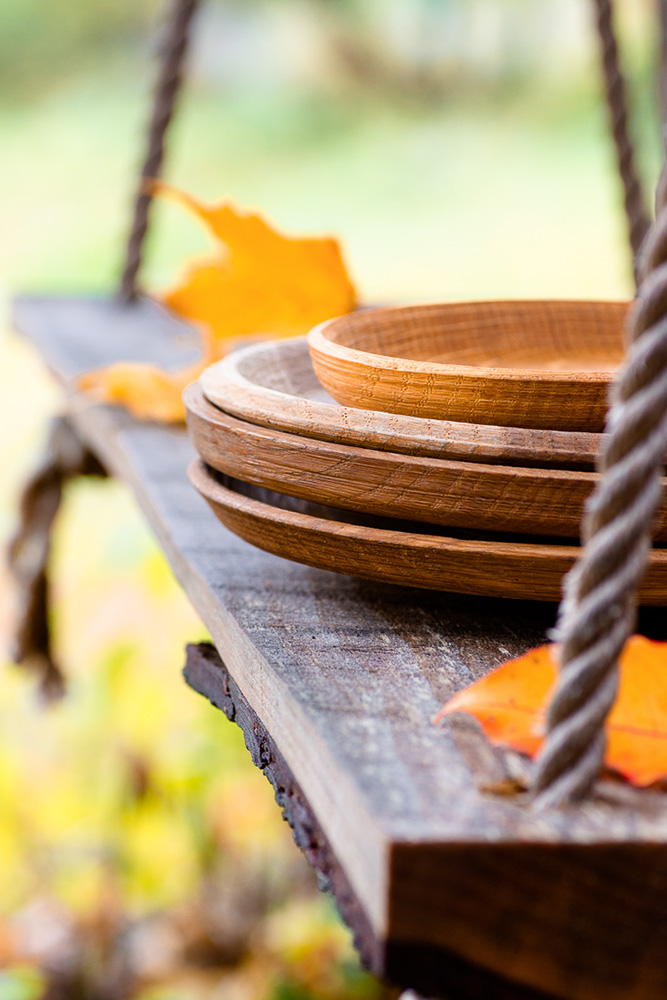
(510, 704)
(146, 391)
(258, 283)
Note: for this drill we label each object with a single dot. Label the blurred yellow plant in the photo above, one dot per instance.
(258, 283)
(134, 832)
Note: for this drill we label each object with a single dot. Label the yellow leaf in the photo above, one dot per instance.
(146, 391)
(258, 280)
(258, 283)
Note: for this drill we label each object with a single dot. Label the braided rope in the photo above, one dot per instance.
(166, 92)
(598, 610)
(635, 204)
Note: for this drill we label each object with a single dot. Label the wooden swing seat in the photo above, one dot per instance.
(451, 889)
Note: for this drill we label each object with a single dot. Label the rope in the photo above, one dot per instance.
(598, 610)
(635, 204)
(166, 92)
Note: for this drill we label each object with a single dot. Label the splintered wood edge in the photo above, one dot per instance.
(407, 964)
(206, 674)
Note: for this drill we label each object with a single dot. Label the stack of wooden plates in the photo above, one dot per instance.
(446, 446)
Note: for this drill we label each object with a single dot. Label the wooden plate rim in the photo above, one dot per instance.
(320, 341)
(332, 421)
(541, 555)
(196, 401)
(204, 483)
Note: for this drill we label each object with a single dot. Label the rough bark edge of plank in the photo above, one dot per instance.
(432, 971)
(207, 675)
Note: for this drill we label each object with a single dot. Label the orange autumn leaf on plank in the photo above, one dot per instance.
(510, 704)
(257, 283)
(149, 393)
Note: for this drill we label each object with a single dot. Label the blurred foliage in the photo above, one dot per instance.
(41, 40)
(402, 49)
(141, 852)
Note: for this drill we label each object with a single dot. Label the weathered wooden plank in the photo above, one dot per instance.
(346, 676)
(205, 672)
(142, 331)
(418, 966)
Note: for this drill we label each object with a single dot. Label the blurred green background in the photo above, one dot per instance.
(458, 148)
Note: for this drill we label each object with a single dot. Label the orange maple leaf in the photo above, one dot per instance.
(148, 392)
(258, 283)
(510, 704)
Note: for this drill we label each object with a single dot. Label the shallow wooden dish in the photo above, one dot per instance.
(436, 491)
(274, 385)
(376, 548)
(542, 364)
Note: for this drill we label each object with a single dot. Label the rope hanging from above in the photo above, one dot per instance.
(166, 92)
(634, 200)
(170, 78)
(598, 611)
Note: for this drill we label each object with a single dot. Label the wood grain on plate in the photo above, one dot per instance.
(539, 364)
(437, 491)
(274, 385)
(338, 540)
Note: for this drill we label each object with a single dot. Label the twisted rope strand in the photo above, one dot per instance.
(635, 203)
(166, 92)
(598, 610)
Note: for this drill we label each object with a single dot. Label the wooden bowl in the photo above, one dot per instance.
(526, 364)
(273, 384)
(413, 487)
(374, 549)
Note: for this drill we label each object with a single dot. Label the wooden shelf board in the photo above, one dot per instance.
(346, 676)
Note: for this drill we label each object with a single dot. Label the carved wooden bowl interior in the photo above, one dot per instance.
(536, 364)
